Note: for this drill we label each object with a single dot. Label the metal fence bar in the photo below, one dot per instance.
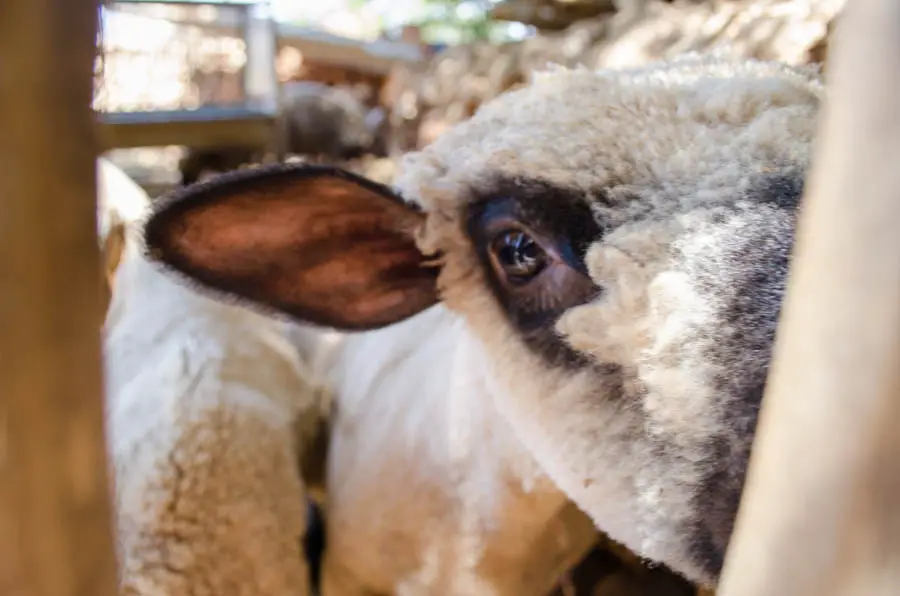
(55, 525)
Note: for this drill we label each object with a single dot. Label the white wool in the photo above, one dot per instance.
(119, 198)
(429, 491)
(201, 399)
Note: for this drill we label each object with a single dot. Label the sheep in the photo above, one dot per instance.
(602, 253)
(314, 119)
(121, 204)
(200, 509)
(540, 544)
(309, 104)
(428, 490)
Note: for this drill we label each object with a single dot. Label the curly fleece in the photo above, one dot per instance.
(693, 170)
(204, 403)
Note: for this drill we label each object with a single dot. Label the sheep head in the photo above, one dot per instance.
(618, 241)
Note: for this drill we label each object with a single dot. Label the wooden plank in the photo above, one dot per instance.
(820, 514)
(550, 15)
(372, 58)
(202, 128)
(55, 516)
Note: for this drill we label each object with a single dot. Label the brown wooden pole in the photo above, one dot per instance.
(55, 516)
(821, 511)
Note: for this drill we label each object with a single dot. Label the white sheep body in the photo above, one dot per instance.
(202, 401)
(429, 492)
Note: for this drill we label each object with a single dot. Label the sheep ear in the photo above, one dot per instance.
(317, 243)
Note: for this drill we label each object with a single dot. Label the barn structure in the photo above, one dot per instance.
(828, 428)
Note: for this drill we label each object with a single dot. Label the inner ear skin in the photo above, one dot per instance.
(561, 222)
(317, 243)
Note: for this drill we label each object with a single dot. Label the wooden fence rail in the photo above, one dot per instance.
(55, 523)
(821, 511)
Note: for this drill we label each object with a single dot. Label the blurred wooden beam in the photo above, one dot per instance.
(373, 57)
(206, 127)
(821, 510)
(550, 15)
(55, 516)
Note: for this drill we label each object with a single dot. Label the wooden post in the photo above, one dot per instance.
(55, 517)
(821, 510)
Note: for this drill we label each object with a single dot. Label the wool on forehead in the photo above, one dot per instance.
(669, 123)
(685, 156)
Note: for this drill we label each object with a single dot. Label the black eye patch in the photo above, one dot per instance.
(525, 227)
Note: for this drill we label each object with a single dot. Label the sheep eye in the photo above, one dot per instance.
(518, 255)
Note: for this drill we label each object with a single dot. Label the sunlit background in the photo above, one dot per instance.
(160, 56)
(424, 64)
(442, 22)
